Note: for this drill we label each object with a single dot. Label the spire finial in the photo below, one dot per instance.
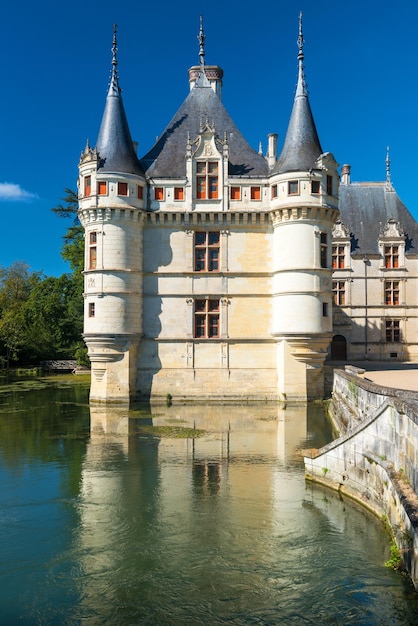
(301, 40)
(114, 80)
(201, 37)
(389, 186)
(301, 88)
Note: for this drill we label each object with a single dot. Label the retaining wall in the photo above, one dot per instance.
(375, 460)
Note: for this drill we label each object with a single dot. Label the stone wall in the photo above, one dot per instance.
(375, 460)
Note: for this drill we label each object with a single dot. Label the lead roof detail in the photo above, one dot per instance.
(301, 147)
(114, 145)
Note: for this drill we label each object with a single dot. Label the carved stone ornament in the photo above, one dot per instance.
(340, 230)
(391, 230)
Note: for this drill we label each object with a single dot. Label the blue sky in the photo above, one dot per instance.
(361, 68)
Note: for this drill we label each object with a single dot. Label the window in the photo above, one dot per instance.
(101, 187)
(93, 250)
(391, 256)
(393, 331)
(391, 292)
(325, 309)
(274, 191)
(87, 185)
(338, 291)
(329, 185)
(206, 252)
(178, 193)
(159, 193)
(338, 257)
(122, 189)
(292, 187)
(140, 192)
(235, 193)
(206, 180)
(206, 319)
(91, 309)
(315, 186)
(255, 193)
(324, 250)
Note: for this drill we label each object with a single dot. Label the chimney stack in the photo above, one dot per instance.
(272, 149)
(345, 174)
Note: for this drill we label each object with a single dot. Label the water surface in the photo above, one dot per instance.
(118, 521)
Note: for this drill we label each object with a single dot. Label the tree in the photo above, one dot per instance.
(41, 317)
(73, 251)
(16, 284)
(73, 246)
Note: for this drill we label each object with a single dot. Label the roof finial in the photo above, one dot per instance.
(389, 186)
(201, 38)
(301, 88)
(114, 80)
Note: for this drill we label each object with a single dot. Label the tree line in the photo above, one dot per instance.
(41, 317)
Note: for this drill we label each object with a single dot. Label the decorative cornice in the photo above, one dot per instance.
(203, 219)
(391, 230)
(301, 213)
(108, 214)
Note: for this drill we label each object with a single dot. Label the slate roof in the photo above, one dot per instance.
(301, 146)
(365, 207)
(114, 143)
(167, 157)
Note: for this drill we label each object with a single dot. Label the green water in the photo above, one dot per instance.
(181, 515)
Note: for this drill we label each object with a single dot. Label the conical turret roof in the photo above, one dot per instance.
(167, 157)
(301, 147)
(202, 106)
(114, 143)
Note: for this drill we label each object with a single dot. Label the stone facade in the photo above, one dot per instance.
(375, 461)
(209, 266)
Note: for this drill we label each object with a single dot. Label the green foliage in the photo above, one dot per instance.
(395, 560)
(73, 246)
(41, 317)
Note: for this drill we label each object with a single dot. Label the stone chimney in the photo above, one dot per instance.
(214, 74)
(272, 149)
(345, 174)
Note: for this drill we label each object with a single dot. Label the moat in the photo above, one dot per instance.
(179, 515)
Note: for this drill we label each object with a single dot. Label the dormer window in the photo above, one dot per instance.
(207, 180)
(338, 257)
(391, 254)
(392, 245)
(293, 187)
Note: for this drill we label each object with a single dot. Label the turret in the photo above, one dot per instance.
(304, 208)
(111, 191)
